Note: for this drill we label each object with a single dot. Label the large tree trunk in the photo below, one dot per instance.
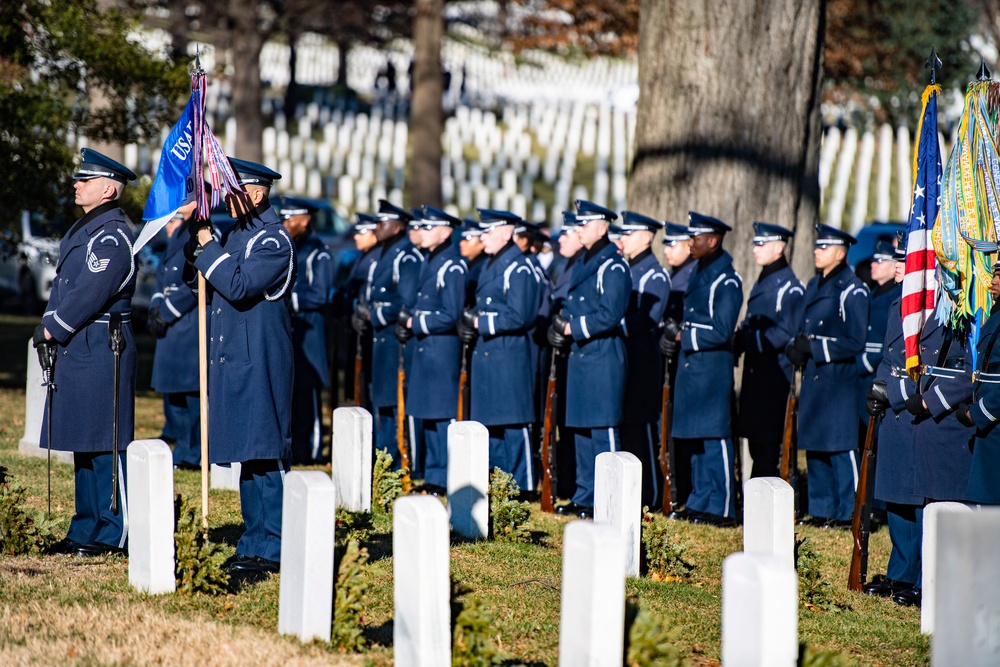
(728, 119)
(246, 41)
(425, 111)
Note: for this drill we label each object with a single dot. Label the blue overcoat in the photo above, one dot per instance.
(432, 392)
(835, 319)
(392, 285)
(773, 317)
(95, 276)
(310, 296)
(250, 361)
(474, 269)
(506, 304)
(595, 368)
(680, 276)
(984, 473)
(175, 364)
(704, 383)
(641, 325)
(878, 313)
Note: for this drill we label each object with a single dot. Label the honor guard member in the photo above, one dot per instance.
(310, 296)
(834, 329)
(392, 285)
(470, 245)
(344, 302)
(432, 392)
(250, 273)
(589, 326)
(505, 309)
(641, 326)
(91, 293)
(702, 344)
(774, 309)
(173, 319)
(883, 293)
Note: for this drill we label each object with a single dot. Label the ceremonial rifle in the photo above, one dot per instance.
(861, 521)
(789, 446)
(463, 385)
(47, 355)
(404, 452)
(117, 343)
(548, 453)
(667, 505)
(359, 369)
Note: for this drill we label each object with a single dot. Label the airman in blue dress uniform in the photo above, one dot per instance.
(173, 319)
(773, 317)
(704, 387)
(95, 281)
(499, 326)
(310, 298)
(392, 286)
(432, 392)
(345, 301)
(641, 326)
(589, 326)
(834, 329)
(250, 273)
(470, 245)
(883, 293)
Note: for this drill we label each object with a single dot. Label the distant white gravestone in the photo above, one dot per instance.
(352, 458)
(469, 478)
(933, 515)
(422, 618)
(150, 502)
(592, 612)
(618, 501)
(308, 510)
(225, 477)
(34, 412)
(769, 518)
(760, 606)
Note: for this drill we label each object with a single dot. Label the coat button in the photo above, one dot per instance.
(222, 360)
(486, 354)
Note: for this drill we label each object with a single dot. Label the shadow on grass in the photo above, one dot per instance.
(228, 534)
(379, 546)
(379, 634)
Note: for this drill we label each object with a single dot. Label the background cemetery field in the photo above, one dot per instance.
(67, 611)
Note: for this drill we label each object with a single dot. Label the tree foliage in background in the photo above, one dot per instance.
(595, 27)
(55, 57)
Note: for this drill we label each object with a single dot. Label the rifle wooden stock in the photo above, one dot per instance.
(788, 445)
(861, 521)
(667, 505)
(404, 452)
(548, 450)
(359, 369)
(463, 382)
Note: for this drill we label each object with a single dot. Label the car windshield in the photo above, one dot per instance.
(44, 225)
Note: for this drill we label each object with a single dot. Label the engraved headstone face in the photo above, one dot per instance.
(469, 478)
(769, 518)
(618, 501)
(308, 520)
(352, 458)
(760, 601)
(933, 513)
(150, 503)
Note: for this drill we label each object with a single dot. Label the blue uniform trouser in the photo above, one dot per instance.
(93, 522)
(435, 437)
(643, 441)
(510, 450)
(712, 479)
(906, 523)
(307, 425)
(385, 438)
(833, 478)
(262, 484)
(589, 443)
(182, 419)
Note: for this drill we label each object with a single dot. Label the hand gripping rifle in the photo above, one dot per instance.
(47, 355)
(667, 504)
(861, 521)
(548, 452)
(404, 452)
(117, 343)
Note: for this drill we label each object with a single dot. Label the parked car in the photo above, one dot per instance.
(29, 252)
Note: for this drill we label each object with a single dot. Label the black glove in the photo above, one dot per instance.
(671, 328)
(668, 346)
(739, 343)
(155, 323)
(192, 249)
(38, 337)
(555, 336)
(360, 318)
(876, 399)
(963, 416)
(467, 331)
(402, 332)
(798, 350)
(559, 323)
(915, 404)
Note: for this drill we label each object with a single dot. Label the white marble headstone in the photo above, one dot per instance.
(225, 478)
(769, 518)
(759, 611)
(305, 602)
(469, 478)
(150, 502)
(618, 501)
(34, 412)
(934, 513)
(352, 458)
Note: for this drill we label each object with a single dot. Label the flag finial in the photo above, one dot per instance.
(984, 72)
(935, 64)
(197, 61)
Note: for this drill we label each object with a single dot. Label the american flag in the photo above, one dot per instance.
(919, 280)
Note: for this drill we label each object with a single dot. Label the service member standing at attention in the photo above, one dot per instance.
(644, 376)
(470, 245)
(173, 319)
(344, 302)
(432, 392)
(91, 296)
(702, 344)
(773, 317)
(250, 273)
(310, 296)
(886, 290)
(595, 369)
(392, 286)
(834, 329)
(498, 326)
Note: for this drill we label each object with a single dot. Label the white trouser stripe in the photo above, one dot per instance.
(652, 461)
(611, 438)
(413, 449)
(317, 436)
(854, 469)
(124, 499)
(527, 459)
(725, 469)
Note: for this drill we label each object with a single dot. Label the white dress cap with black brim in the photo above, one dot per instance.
(97, 165)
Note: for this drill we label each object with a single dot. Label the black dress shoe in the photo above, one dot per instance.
(65, 546)
(837, 523)
(884, 587)
(908, 598)
(235, 558)
(817, 521)
(586, 513)
(96, 549)
(572, 509)
(713, 520)
(682, 514)
(254, 565)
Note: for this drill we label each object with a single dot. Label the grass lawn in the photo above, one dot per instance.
(58, 610)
